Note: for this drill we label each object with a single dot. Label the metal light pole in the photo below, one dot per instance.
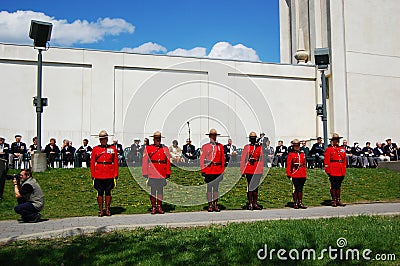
(40, 32)
(321, 56)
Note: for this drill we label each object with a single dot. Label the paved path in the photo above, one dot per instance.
(13, 230)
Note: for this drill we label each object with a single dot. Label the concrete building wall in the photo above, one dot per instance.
(132, 95)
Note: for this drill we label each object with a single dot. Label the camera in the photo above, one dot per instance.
(16, 176)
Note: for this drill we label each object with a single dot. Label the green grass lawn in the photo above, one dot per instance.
(69, 192)
(233, 244)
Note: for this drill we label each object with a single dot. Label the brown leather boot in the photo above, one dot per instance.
(216, 202)
(100, 203)
(338, 203)
(250, 199)
(108, 203)
(159, 204)
(153, 205)
(295, 204)
(300, 200)
(333, 194)
(255, 200)
(210, 202)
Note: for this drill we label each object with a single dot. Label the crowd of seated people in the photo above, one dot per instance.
(18, 154)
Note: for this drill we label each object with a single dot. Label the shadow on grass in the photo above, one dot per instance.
(327, 202)
(117, 210)
(166, 207)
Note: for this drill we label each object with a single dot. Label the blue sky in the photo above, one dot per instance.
(244, 30)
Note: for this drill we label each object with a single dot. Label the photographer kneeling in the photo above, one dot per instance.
(29, 196)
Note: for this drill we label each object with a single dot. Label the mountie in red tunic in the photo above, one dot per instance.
(104, 162)
(296, 166)
(212, 159)
(252, 161)
(156, 162)
(335, 161)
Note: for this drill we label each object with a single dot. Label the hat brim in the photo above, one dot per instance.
(156, 136)
(335, 138)
(208, 134)
(102, 137)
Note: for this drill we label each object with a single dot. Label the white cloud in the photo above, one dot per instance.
(14, 28)
(146, 48)
(225, 50)
(195, 52)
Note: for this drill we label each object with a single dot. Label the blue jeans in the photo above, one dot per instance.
(27, 211)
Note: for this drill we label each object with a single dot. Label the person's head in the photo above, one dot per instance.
(188, 142)
(85, 142)
(303, 143)
(252, 137)
(65, 142)
(70, 143)
(175, 143)
(52, 141)
(335, 139)
(18, 138)
(295, 144)
(157, 138)
(379, 145)
(368, 144)
(345, 142)
(1, 140)
(34, 140)
(115, 141)
(262, 135)
(213, 134)
(229, 141)
(146, 141)
(319, 140)
(356, 144)
(268, 143)
(25, 174)
(136, 140)
(280, 142)
(389, 141)
(103, 138)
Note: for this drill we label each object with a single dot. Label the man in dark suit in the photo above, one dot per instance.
(120, 151)
(391, 150)
(52, 152)
(68, 154)
(18, 149)
(4, 149)
(318, 151)
(357, 151)
(189, 151)
(230, 152)
(368, 153)
(135, 154)
(281, 153)
(84, 153)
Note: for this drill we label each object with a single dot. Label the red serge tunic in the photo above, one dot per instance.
(252, 161)
(335, 161)
(296, 166)
(156, 162)
(104, 162)
(212, 159)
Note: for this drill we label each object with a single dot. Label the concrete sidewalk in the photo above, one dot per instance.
(13, 230)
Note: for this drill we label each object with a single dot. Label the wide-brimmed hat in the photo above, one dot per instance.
(18, 136)
(295, 142)
(102, 134)
(157, 134)
(252, 134)
(2, 138)
(136, 139)
(335, 136)
(213, 132)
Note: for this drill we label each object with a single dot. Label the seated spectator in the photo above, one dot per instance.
(281, 153)
(357, 151)
(318, 151)
(368, 153)
(18, 149)
(351, 158)
(32, 149)
(84, 153)
(120, 151)
(391, 150)
(67, 154)
(52, 152)
(230, 152)
(269, 154)
(379, 152)
(176, 153)
(189, 151)
(135, 155)
(309, 159)
(4, 149)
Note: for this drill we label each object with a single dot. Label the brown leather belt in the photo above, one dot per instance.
(159, 161)
(337, 161)
(104, 163)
